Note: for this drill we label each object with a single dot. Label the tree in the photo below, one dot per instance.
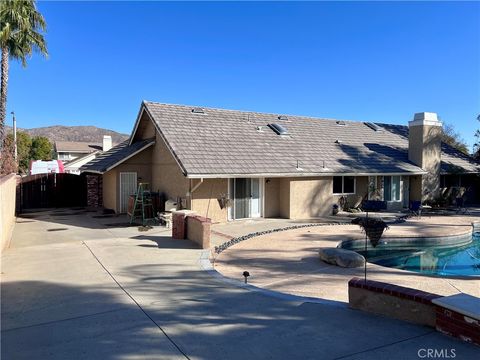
(24, 147)
(41, 148)
(21, 27)
(451, 137)
(8, 164)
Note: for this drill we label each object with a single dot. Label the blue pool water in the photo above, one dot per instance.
(446, 260)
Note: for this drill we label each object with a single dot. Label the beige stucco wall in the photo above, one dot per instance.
(304, 198)
(8, 185)
(424, 150)
(110, 190)
(140, 163)
(415, 188)
(204, 199)
(166, 174)
(284, 197)
(272, 198)
(145, 129)
(310, 197)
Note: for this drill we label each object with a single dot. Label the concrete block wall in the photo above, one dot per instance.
(8, 188)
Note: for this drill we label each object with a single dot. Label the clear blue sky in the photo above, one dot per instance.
(361, 61)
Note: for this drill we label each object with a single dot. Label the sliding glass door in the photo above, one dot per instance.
(246, 196)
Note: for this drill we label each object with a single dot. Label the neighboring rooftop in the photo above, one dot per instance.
(115, 156)
(76, 146)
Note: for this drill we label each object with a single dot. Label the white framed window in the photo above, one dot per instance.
(391, 188)
(344, 185)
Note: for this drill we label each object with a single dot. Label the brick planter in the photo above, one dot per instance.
(393, 301)
(419, 307)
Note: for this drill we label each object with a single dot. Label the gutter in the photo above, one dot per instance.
(299, 174)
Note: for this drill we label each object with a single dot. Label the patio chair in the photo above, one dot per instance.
(460, 204)
(416, 208)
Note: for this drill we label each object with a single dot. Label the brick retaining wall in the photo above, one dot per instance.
(411, 305)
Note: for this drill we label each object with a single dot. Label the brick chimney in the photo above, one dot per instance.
(107, 142)
(424, 150)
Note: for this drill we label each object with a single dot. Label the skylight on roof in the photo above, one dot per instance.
(198, 110)
(373, 126)
(279, 129)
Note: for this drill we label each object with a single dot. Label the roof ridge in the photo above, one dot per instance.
(265, 113)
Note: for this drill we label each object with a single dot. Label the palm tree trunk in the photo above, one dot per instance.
(3, 96)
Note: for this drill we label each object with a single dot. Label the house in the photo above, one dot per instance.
(229, 165)
(75, 154)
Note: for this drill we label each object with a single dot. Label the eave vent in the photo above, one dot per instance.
(279, 129)
(282, 117)
(198, 110)
(373, 126)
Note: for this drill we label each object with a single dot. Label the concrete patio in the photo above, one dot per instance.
(288, 261)
(75, 287)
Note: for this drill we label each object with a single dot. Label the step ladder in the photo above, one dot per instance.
(143, 205)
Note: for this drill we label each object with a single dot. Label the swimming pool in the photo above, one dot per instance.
(449, 256)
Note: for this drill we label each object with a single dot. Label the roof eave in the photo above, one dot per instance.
(302, 174)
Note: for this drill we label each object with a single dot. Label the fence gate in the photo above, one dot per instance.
(52, 190)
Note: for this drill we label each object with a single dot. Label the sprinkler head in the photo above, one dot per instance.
(246, 274)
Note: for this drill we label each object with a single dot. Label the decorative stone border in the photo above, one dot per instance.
(236, 240)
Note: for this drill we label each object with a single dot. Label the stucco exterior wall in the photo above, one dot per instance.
(310, 197)
(272, 198)
(284, 197)
(166, 174)
(141, 164)
(424, 150)
(8, 186)
(416, 188)
(146, 128)
(110, 190)
(204, 199)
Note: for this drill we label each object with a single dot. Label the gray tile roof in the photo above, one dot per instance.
(115, 156)
(226, 142)
(77, 146)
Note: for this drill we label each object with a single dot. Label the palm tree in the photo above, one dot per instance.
(20, 35)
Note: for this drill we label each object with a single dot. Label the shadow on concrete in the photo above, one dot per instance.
(165, 242)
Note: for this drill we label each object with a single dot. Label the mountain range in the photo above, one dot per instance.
(74, 133)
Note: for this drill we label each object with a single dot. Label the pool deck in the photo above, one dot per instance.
(288, 261)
